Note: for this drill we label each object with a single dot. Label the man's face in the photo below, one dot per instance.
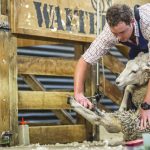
(122, 31)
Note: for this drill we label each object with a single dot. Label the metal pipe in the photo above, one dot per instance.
(98, 32)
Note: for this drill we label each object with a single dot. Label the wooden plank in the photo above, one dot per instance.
(89, 92)
(88, 84)
(78, 50)
(8, 85)
(4, 80)
(124, 50)
(73, 21)
(110, 90)
(13, 88)
(33, 83)
(113, 64)
(57, 36)
(130, 2)
(102, 107)
(63, 115)
(43, 100)
(45, 66)
(4, 9)
(29, 41)
(59, 134)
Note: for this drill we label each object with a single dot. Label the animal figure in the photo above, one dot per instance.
(135, 77)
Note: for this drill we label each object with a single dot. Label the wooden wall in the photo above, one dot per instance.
(131, 2)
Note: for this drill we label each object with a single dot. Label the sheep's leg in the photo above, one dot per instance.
(111, 123)
(128, 90)
(84, 112)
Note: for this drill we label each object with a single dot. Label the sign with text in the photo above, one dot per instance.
(63, 19)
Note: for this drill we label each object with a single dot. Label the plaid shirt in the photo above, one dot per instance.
(106, 40)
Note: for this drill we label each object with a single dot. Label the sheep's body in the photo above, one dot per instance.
(138, 95)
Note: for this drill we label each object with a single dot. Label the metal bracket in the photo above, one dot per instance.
(5, 138)
(4, 25)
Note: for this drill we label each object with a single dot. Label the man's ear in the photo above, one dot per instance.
(132, 20)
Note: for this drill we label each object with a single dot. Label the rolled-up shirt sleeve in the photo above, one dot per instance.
(100, 46)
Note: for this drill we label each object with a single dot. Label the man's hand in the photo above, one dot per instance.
(145, 117)
(80, 98)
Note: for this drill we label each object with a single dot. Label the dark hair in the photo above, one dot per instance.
(118, 13)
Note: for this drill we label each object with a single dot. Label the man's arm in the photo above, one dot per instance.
(145, 114)
(79, 79)
(99, 47)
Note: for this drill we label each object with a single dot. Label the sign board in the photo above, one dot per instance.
(62, 19)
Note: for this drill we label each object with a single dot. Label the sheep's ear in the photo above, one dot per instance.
(141, 53)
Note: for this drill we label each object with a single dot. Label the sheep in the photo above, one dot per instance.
(127, 122)
(134, 78)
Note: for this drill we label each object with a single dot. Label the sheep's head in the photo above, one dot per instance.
(135, 72)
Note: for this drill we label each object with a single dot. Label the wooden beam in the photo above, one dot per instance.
(56, 22)
(8, 85)
(79, 49)
(61, 134)
(4, 7)
(64, 116)
(29, 41)
(45, 66)
(124, 50)
(56, 35)
(33, 83)
(113, 64)
(110, 90)
(102, 107)
(43, 100)
(89, 92)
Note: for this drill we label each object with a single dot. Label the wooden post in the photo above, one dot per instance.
(79, 49)
(78, 52)
(8, 85)
(88, 92)
(4, 7)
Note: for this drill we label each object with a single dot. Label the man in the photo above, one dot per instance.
(121, 27)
